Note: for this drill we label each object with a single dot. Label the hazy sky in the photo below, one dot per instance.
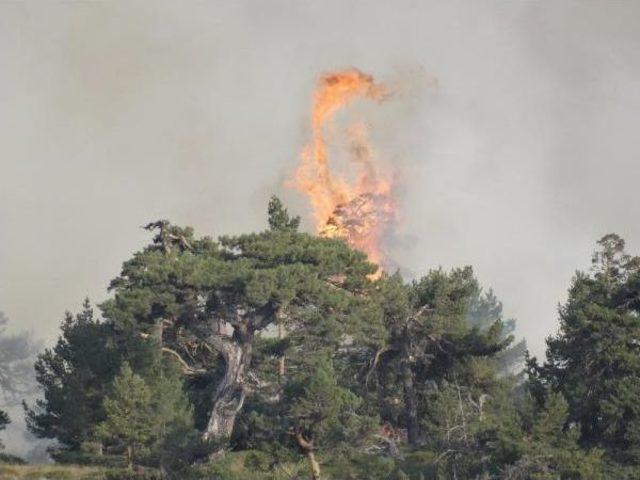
(516, 160)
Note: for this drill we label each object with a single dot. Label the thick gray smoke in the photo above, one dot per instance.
(117, 113)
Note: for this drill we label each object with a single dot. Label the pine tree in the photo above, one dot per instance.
(425, 340)
(323, 416)
(174, 437)
(594, 360)
(279, 219)
(130, 417)
(206, 302)
(74, 376)
(484, 311)
(533, 438)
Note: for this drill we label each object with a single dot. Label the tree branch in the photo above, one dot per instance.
(376, 360)
(186, 368)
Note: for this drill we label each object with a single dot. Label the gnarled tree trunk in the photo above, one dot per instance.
(236, 351)
(230, 393)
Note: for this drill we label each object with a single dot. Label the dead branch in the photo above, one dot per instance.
(375, 361)
(186, 368)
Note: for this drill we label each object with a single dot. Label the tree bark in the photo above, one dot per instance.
(281, 358)
(307, 447)
(414, 432)
(129, 457)
(236, 351)
(229, 396)
(315, 466)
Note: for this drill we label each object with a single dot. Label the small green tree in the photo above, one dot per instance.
(130, 417)
(540, 444)
(484, 311)
(74, 377)
(279, 219)
(324, 415)
(174, 437)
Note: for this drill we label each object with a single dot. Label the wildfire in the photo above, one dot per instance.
(359, 209)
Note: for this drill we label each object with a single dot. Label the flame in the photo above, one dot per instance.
(359, 210)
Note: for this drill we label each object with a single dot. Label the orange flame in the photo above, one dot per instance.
(361, 210)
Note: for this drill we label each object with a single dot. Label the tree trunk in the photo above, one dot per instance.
(307, 447)
(414, 433)
(230, 393)
(130, 457)
(281, 360)
(315, 466)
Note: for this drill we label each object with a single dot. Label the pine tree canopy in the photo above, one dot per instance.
(281, 355)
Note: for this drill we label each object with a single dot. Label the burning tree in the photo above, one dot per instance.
(361, 210)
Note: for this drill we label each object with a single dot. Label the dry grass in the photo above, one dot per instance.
(50, 472)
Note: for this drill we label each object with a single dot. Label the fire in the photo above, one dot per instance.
(359, 209)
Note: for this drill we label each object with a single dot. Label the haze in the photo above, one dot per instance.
(515, 134)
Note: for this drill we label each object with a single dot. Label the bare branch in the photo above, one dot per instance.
(186, 368)
(376, 360)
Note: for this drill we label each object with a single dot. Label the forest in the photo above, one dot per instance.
(285, 355)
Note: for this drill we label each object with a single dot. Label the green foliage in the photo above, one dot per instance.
(149, 417)
(425, 341)
(594, 360)
(279, 218)
(324, 413)
(548, 449)
(129, 413)
(485, 311)
(312, 366)
(7, 458)
(74, 376)
(19, 471)
(206, 303)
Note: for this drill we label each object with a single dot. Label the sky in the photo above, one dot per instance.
(513, 134)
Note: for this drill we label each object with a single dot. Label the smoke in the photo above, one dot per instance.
(118, 113)
(17, 383)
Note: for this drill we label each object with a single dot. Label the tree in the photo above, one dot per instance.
(174, 443)
(531, 441)
(74, 376)
(594, 360)
(279, 219)
(322, 414)
(425, 336)
(130, 418)
(205, 301)
(16, 361)
(4, 421)
(485, 310)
